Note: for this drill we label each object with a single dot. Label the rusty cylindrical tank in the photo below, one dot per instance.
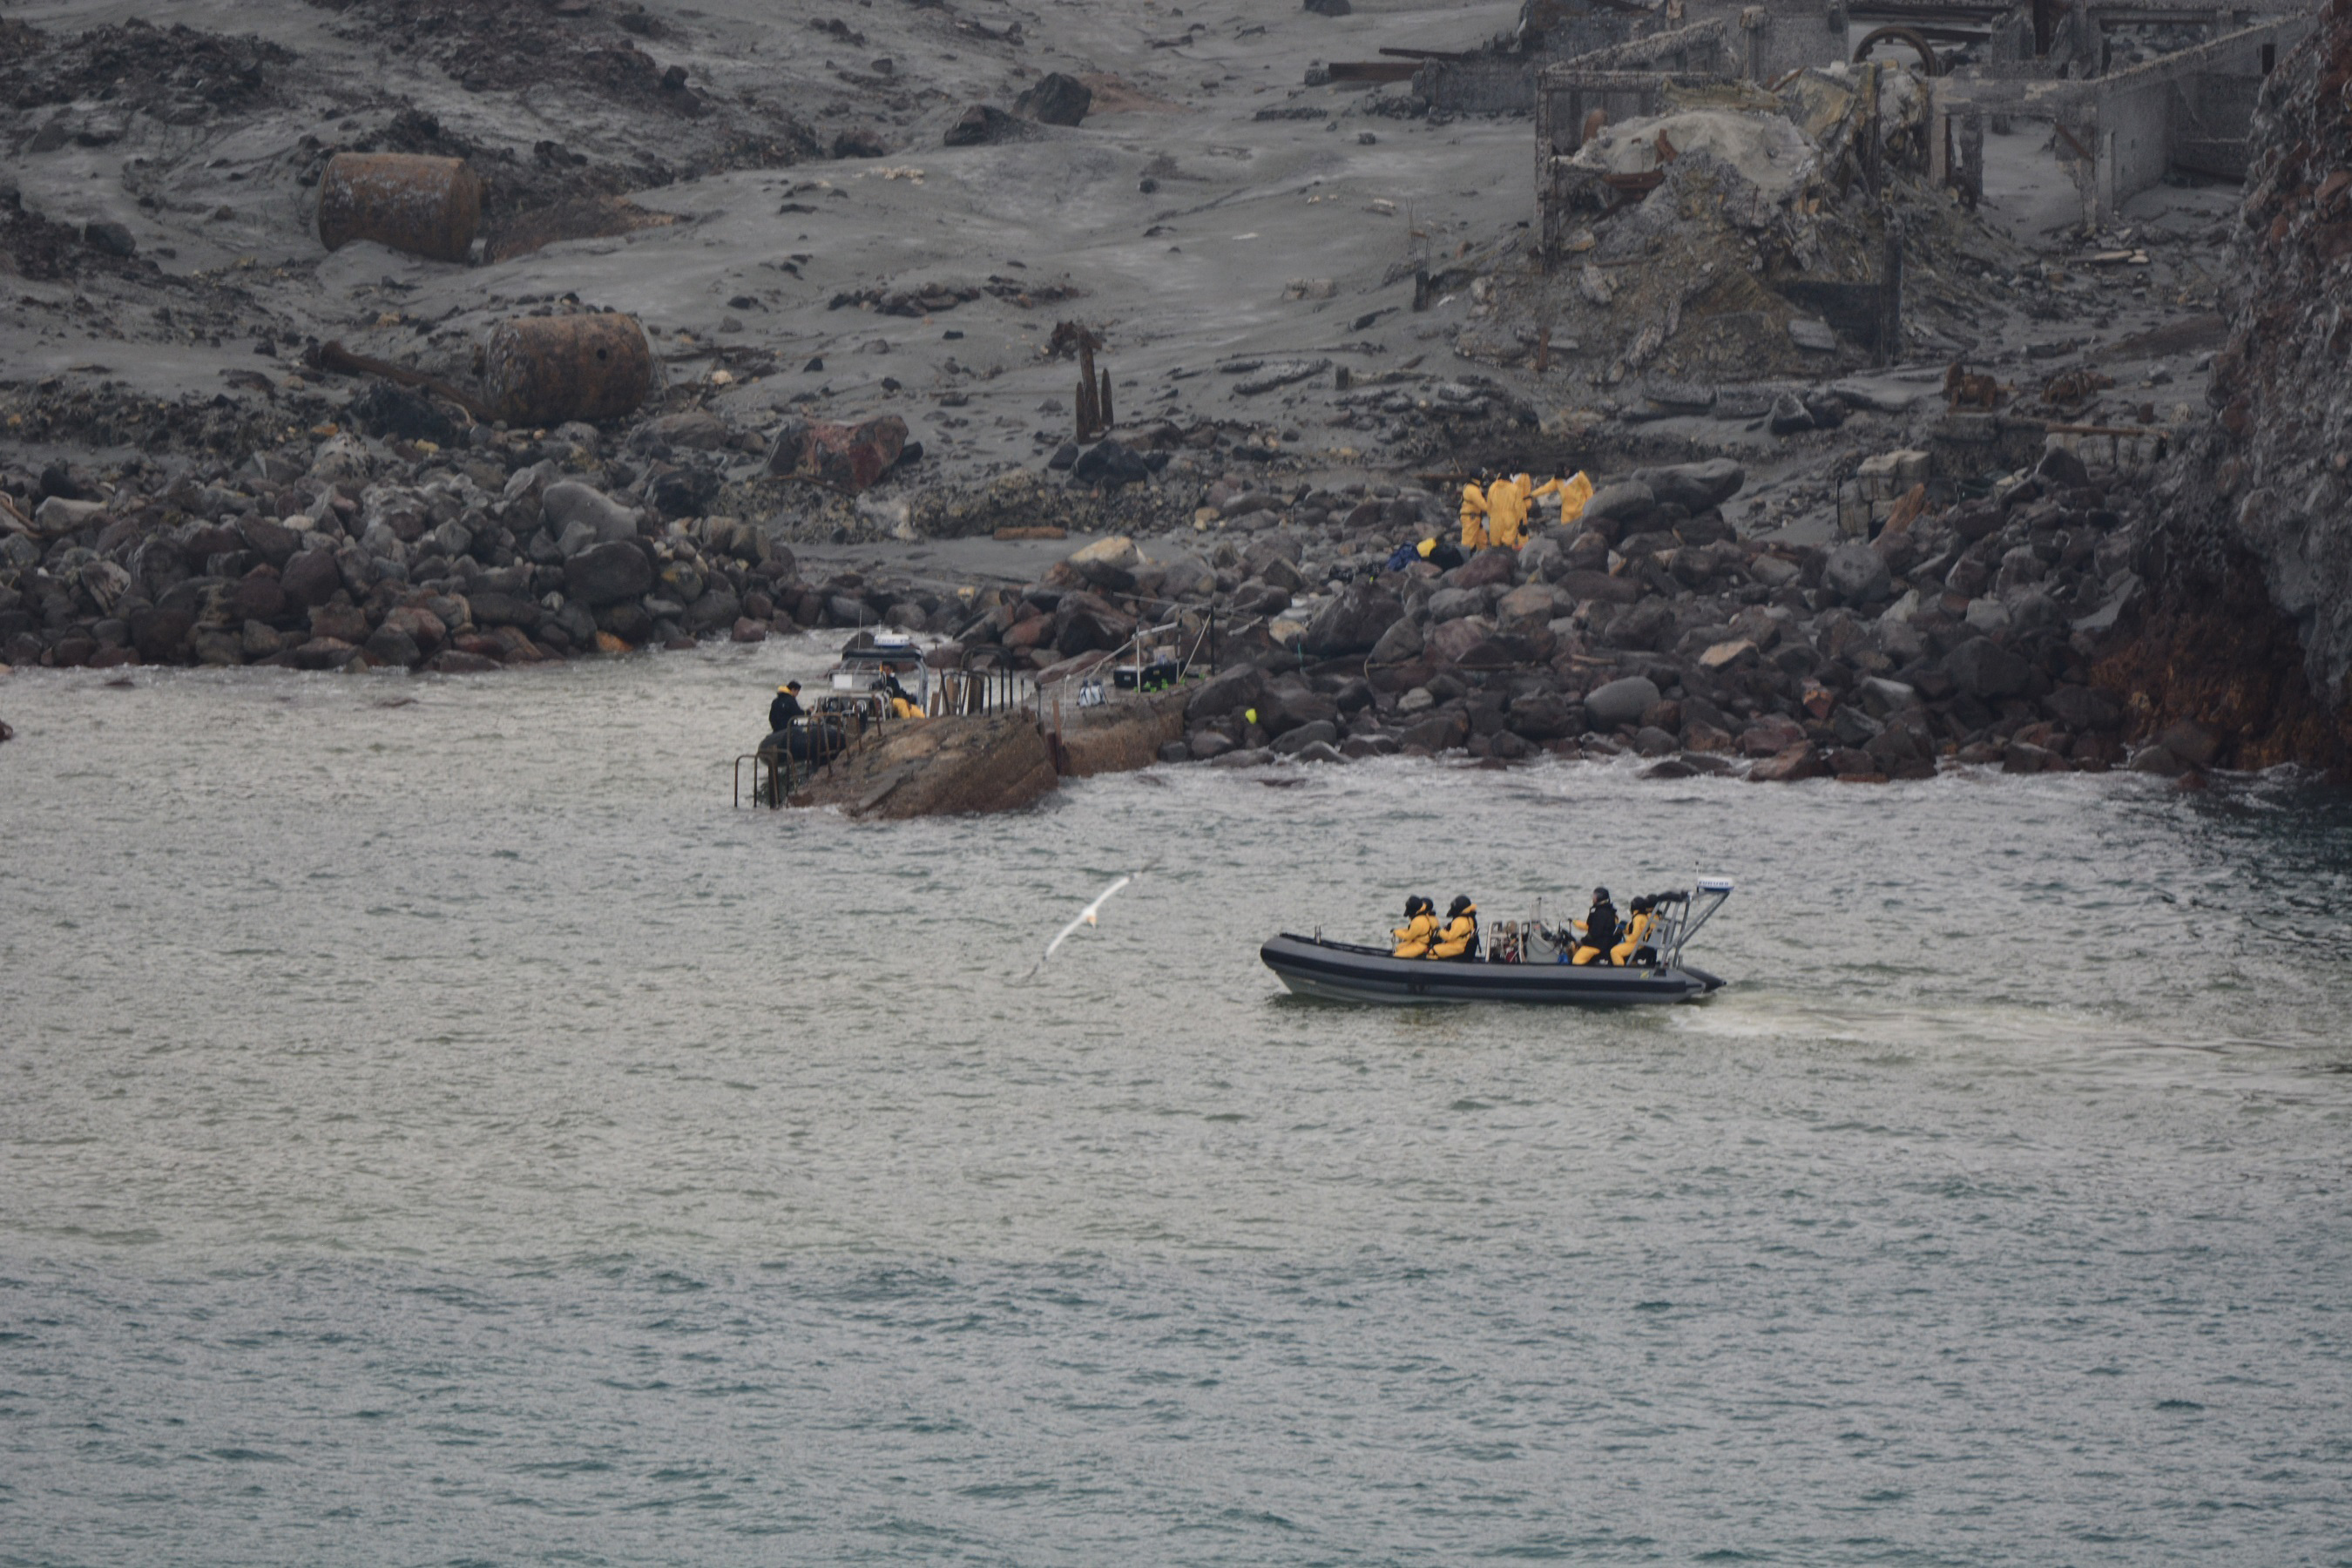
(426, 206)
(544, 370)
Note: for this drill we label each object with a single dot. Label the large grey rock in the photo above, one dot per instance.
(1317, 732)
(1855, 574)
(1354, 622)
(1400, 642)
(1621, 702)
(1696, 486)
(608, 574)
(1227, 691)
(715, 611)
(1054, 99)
(1982, 668)
(1452, 603)
(1625, 499)
(569, 501)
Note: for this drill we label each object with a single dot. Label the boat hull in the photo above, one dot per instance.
(1343, 972)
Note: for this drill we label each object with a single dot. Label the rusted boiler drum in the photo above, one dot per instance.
(427, 206)
(544, 370)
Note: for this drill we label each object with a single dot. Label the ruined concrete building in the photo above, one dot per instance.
(2120, 122)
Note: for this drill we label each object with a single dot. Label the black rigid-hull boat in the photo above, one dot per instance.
(1352, 971)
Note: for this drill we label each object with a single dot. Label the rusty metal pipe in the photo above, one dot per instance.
(427, 206)
(544, 370)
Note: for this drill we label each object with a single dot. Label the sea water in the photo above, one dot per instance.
(436, 1126)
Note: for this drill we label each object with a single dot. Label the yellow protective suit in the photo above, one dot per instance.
(1459, 934)
(902, 709)
(1572, 492)
(1413, 937)
(1507, 511)
(1474, 518)
(1637, 931)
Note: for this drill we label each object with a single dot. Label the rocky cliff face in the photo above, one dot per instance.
(2248, 543)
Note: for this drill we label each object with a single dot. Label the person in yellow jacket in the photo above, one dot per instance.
(1460, 937)
(1507, 511)
(1638, 924)
(1572, 492)
(1420, 928)
(1474, 518)
(902, 702)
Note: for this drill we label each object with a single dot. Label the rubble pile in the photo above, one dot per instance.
(1744, 235)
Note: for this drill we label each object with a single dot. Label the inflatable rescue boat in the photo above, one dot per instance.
(1521, 961)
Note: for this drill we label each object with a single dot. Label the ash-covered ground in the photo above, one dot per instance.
(1317, 305)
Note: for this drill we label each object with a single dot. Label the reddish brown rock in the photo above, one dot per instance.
(1799, 761)
(849, 458)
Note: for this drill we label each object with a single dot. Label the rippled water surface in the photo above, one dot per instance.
(434, 1127)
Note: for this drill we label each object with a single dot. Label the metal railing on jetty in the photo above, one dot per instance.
(1153, 658)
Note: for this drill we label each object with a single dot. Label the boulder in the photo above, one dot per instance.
(1108, 564)
(983, 124)
(1227, 691)
(323, 653)
(1452, 641)
(1799, 761)
(420, 625)
(1534, 602)
(714, 611)
(1438, 732)
(569, 504)
(608, 574)
(1982, 668)
(1545, 717)
(310, 578)
(1616, 503)
(273, 541)
(1401, 642)
(343, 623)
(1054, 99)
(1598, 587)
(159, 633)
(1621, 702)
(1321, 731)
(1855, 574)
(1110, 464)
(1357, 620)
(1487, 567)
(2192, 743)
(490, 608)
(849, 458)
(1452, 603)
(1696, 486)
(389, 645)
(1771, 735)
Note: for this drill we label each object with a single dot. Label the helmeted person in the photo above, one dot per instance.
(1474, 518)
(1420, 928)
(1460, 937)
(1597, 932)
(1572, 492)
(1640, 919)
(1507, 511)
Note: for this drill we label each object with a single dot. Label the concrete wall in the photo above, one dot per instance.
(2120, 135)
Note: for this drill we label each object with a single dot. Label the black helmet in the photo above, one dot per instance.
(1461, 904)
(1640, 906)
(1600, 895)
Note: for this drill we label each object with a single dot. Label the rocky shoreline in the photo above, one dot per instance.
(1972, 633)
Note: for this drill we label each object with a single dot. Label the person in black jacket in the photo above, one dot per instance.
(786, 707)
(1598, 930)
